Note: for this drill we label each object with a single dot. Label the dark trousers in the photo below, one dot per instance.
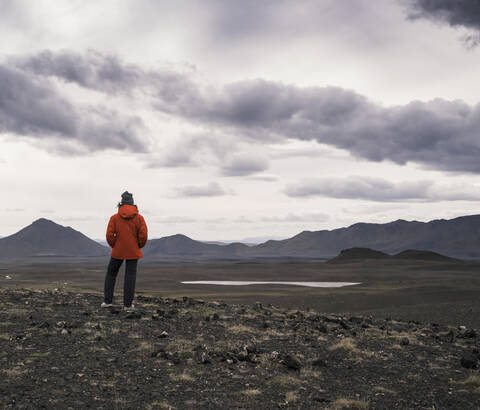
(128, 284)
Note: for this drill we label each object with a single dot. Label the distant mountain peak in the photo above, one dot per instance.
(44, 237)
(43, 221)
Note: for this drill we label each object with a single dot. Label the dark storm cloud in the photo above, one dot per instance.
(33, 108)
(107, 73)
(380, 190)
(92, 70)
(438, 134)
(458, 13)
(212, 189)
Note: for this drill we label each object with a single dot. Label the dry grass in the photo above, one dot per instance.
(307, 373)
(180, 344)
(346, 345)
(97, 349)
(351, 404)
(17, 311)
(15, 373)
(399, 336)
(249, 315)
(286, 381)
(275, 333)
(291, 396)
(472, 381)
(241, 329)
(146, 348)
(183, 377)
(251, 392)
(381, 389)
(158, 405)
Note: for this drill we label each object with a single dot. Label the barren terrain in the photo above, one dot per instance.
(407, 337)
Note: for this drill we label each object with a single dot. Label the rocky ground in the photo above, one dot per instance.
(59, 349)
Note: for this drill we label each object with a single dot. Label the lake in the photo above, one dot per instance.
(254, 282)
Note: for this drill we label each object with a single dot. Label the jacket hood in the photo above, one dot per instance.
(128, 211)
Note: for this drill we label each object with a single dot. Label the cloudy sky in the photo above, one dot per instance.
(237, 119)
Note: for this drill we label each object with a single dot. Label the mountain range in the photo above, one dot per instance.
(458, 238)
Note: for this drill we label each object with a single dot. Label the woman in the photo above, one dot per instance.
(126, 234)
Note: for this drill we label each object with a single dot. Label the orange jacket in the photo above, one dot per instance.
(127, 233)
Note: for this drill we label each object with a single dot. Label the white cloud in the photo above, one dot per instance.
(210, 190)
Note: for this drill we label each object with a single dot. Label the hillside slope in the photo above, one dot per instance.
(46, 238)
(457, 237)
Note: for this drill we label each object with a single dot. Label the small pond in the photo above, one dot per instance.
(254, 282)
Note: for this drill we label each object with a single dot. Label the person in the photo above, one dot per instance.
(126, 233)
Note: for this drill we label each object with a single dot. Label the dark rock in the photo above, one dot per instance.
(448, 337)
(322, 328)
(319, 362)
(404, 341)
(344, 325)
(467, 334)
(158, 352)
(292, 361)
(171, 312)
(469, 361)
(133, 315)
(215, 316)
(320, 399)
(242, 356)
(173, 357)
(251, 349)
(205, 358)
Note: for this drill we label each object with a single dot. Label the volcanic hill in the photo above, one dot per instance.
(46, 238)
(353, 255)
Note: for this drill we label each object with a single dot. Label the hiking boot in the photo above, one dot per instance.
(106, 305)
(129, 308)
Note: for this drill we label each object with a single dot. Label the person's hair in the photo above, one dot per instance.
(120, 204)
